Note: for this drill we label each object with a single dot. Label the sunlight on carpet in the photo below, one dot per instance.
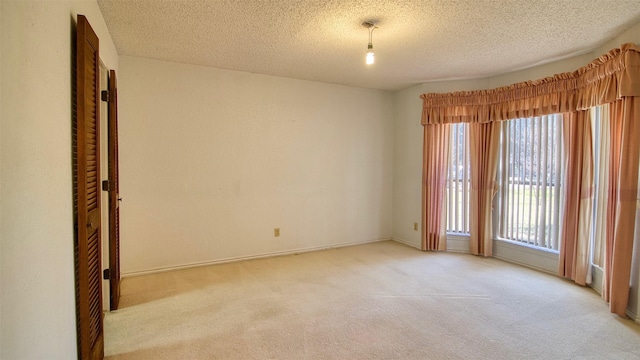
(377, 301)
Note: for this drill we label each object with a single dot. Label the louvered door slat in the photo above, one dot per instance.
(86, 145)
(94, 288)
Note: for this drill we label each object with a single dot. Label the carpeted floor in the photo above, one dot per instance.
(376, 301)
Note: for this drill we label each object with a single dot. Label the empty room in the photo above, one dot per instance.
(303, 179)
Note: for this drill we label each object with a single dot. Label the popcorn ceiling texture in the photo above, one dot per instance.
(320, 40)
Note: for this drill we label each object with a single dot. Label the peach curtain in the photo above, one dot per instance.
(612, 78)
(623, 180)
(576, 213)
(484, 142)
(434, 179)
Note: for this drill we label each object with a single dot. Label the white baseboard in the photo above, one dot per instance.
(633, 316)
(597, 274)
(249, 257)
(406, 242)
(455, 243)
(596, 279)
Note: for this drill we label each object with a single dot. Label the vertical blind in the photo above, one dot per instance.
(601, 149)
(458, 180)
(530, 180)
(529, 176)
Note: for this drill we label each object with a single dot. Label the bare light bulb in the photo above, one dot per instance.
(370, 55)
(370, 59)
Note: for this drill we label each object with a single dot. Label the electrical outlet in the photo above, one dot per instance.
(415, 226)
(276, 232)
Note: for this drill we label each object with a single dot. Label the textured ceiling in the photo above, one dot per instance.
(417, 40)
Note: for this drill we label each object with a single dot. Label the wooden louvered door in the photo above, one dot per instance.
(114, 194)
(87, 194)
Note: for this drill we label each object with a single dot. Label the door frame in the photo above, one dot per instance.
(114, 193)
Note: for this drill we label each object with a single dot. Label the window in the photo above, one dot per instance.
(600, 132)
(458, 180)
(529, 175)
(528, 203)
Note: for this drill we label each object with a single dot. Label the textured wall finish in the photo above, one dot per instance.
(213, 160)
(417, 40)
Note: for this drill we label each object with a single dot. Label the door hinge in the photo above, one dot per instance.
(106, 186)
(105, 95)
(106, 274)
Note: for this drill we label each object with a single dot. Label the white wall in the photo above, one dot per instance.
(213, 160)
(407, 164)
(36, 248)
(1, 41)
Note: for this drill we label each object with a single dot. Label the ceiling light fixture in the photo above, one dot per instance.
(370, 59)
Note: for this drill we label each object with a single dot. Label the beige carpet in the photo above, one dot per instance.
(377, 301)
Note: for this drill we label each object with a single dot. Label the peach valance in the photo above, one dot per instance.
(610, 77)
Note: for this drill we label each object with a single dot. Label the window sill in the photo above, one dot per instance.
(545, 260)
(458, 242)
(541, 259)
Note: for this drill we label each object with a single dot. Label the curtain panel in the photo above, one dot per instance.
(484, 146)
(612, 78)
(434, 177)
(576, 213)
(623, 184)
